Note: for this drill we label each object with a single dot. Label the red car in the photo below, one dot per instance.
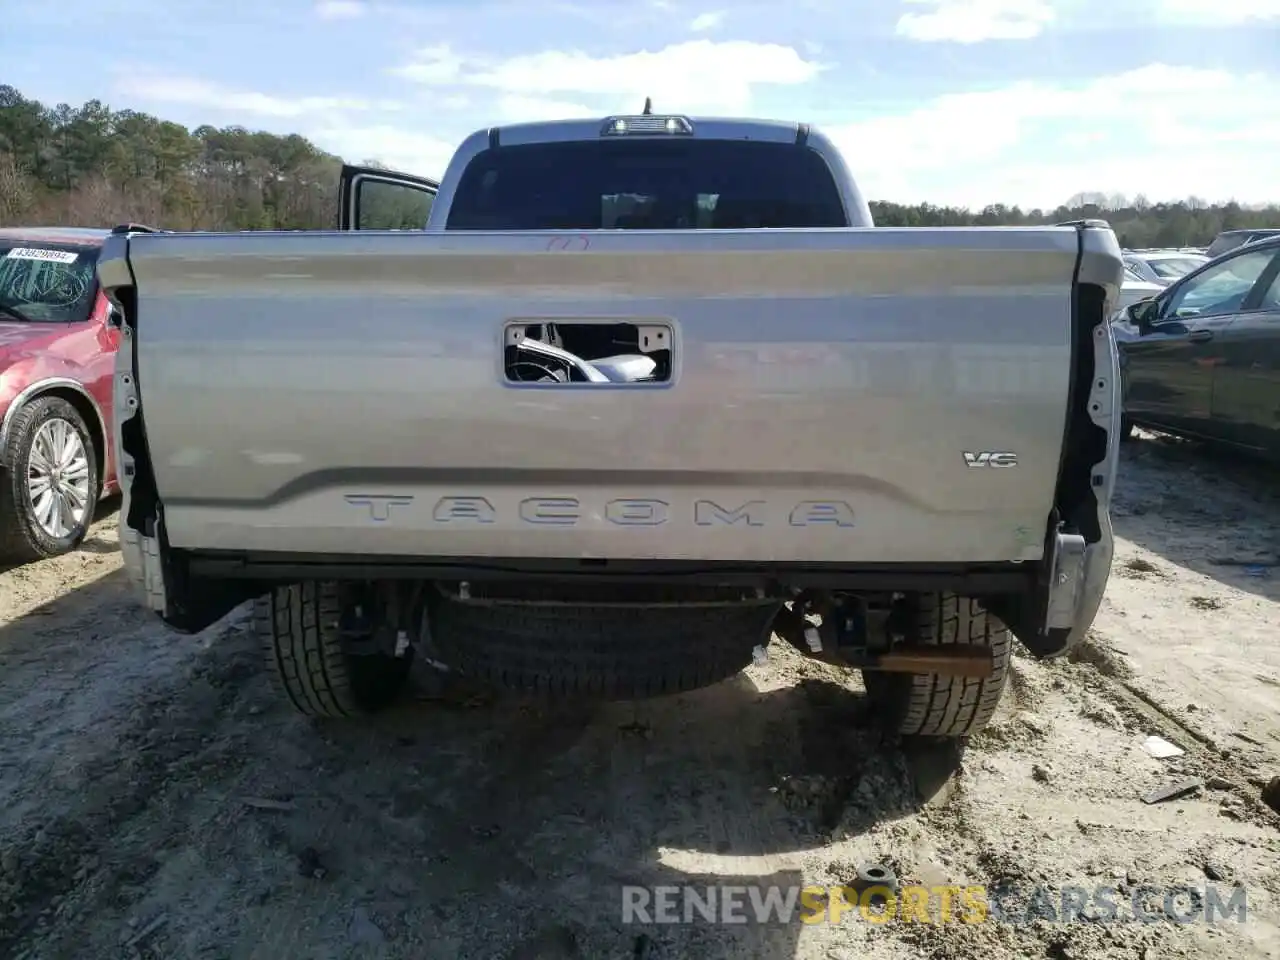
(57, 358)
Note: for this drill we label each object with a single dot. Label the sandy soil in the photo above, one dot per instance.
(156, 800)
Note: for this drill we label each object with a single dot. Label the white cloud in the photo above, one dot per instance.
(696, 76)
(199, 93)
(1165, 131)
(973, 21)
(513, 108)
(1218, 12)
(396, 146)
(707, 21)
(340, 9)
(436, 64)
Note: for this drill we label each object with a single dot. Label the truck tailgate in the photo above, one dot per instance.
(837, 395)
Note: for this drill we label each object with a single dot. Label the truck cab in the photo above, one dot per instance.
(531, 177)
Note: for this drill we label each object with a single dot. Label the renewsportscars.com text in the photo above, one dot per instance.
(975, 903)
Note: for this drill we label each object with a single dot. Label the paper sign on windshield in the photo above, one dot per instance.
(47, 256)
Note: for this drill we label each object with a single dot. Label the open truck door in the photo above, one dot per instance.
(370, 198)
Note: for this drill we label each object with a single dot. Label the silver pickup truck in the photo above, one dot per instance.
(645, 392)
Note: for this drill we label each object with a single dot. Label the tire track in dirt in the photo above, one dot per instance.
(1219, 765)
(100, 709)
(162, 741)
(1050, 800)
(1202, 554)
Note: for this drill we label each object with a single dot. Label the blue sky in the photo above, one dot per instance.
(951, 101)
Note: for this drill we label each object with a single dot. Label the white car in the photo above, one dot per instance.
(1135, 288)
(1162, 267)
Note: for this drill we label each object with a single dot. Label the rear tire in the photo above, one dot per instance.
(931, 705)
(47, 427)
(298, 627)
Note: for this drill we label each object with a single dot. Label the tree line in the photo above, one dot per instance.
(94, 166)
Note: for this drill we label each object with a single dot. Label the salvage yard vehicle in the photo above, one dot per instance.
(1162, 267)
(1135, 288)
(57, 360)
(1229, 240)
(1202, 359)
(643, 392)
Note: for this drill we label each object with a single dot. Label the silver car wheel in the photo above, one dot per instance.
(58, 478)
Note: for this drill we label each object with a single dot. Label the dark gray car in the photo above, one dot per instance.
(1202, 359)
(1228, 240)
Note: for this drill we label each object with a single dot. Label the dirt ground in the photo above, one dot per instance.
(156, 800)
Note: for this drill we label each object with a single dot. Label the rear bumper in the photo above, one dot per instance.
(1050, 604)
(973, 579)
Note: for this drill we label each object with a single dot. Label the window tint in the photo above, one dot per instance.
(1170, 268)
(646, 184)
(384, 205)
(1271, 298)
(53, 282)
(1225, 242)
(1221, 288)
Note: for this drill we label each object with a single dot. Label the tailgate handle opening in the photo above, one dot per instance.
(552, 352)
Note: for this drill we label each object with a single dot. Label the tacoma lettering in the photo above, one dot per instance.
(620, 511)
(636, 513)
(557, 511)
(816, 512)
(708, 513)
(476, 509)
(379, 507)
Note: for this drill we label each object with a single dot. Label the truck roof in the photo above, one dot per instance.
(56, 234)
(1258, 230)
(1163, 254)
(712, 128)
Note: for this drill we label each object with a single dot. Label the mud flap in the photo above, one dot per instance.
(184, 603)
